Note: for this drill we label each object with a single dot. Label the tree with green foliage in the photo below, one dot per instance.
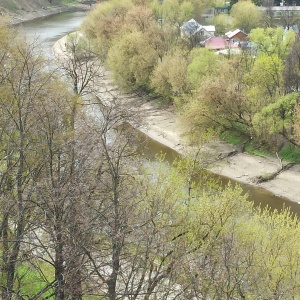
(264, 81)
(169, 77)
(231, 251)
(203, 64)
(130, 64)
(174, 12)
(219, 101)
(140, 244)
(267, 80)
(139, 18)
(222, 24)
(161, 36)
(246, 16)
(279, 254)
(58, 200)
(278, 118)
(218, 267)
(40, 173)
(105, 22)
(22, 83)
(271, 41)
(40, 156)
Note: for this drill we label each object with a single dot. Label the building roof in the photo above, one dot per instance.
(209, 28)
(294, 27)
(232, 33)
(229, 51)
(279, 8)
(216, 43)
(191, 27)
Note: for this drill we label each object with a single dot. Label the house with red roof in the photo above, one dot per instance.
(217, 43)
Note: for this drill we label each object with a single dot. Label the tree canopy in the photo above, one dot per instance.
(246, 15)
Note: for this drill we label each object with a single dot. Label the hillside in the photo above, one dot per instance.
(22, 10)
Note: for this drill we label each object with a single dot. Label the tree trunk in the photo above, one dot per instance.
(59, 263)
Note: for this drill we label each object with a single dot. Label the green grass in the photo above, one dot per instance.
(233, 138)
(251, 149)
(237, 138)
(34, 280)
(290, 153)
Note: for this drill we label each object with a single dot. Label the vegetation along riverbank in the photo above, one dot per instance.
(160, 122)
(249, 100)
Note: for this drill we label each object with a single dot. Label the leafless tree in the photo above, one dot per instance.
(78, 61)
(22, 82)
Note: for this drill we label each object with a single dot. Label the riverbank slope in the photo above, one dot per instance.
(161, 123)
(21, 11)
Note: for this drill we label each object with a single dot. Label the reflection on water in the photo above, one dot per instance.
(265, 198)
(51, 28)
(259, 196)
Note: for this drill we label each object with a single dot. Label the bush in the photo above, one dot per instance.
(290, 153)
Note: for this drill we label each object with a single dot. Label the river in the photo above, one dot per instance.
(49, 29)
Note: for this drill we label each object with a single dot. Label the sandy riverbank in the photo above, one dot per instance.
(161, 123)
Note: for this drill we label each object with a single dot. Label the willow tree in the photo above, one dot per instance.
(131, 65)
(173, 12)
(105, 22)
(246, 15)
(169, 77)
(219, 100)
(279, 118)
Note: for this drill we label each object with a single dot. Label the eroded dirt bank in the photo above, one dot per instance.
(20, 11)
